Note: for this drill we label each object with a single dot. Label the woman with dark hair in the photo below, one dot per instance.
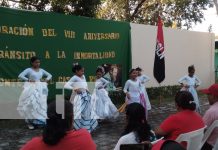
(190, 83)
(33, 100)
(84, 116)
(137, 129)
(185, 120)
(103, 106)
(59, 133)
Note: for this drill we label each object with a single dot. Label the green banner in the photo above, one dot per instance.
(61, 40)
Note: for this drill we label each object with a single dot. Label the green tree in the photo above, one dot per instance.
(75, 7)
(179, 12)
(173, 12)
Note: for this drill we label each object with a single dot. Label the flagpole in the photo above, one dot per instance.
(159, 61)
(160, 96)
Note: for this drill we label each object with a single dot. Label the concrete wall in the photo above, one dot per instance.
(182, 48)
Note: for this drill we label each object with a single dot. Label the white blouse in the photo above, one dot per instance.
(143, 79)
(126, 139)
(101, 83)
(132, 87)
(31, 74)
(76, 82)
(191, 81)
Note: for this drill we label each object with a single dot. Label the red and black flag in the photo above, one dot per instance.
(159, 62)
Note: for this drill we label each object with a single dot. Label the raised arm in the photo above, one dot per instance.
(105, 82)
(23, 75)
(101, 83)
(146, 78)
(70, 84)
(48, 75)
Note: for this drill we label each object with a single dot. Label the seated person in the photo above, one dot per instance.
(185, 120)
(59, 133)
(137, 129)
(211, 115)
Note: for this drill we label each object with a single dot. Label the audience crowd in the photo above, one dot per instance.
(59, 132)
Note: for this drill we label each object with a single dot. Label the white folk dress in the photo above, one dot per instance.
(143, 79)
(135, 92)
(33, 99)
(191, 82)
(103, 106)
(84, 116)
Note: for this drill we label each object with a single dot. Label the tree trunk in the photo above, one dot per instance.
(137, 9)
(127, 11)
(216, 5)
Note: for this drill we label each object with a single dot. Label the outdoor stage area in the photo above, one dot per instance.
(67, 43)
(15, 133)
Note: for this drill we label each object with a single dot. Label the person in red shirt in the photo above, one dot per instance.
(59, 133)
(211, 115)
(185, 120)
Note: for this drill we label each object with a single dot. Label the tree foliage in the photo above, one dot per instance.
(181, 12)
(76, 7)
(173, 12)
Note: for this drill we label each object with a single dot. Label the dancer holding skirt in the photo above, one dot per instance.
(104, 108)
(84, 116)
(33, 100)
(143, 79)
(133, 90)
(189, 83)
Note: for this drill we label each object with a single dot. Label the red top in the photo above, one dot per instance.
(158, 145)
(73, 140)
(181, 122)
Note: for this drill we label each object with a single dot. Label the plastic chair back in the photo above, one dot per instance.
(193, 139)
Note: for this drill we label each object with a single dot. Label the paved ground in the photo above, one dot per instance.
(13, 133)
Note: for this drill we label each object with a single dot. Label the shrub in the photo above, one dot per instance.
(118, 97)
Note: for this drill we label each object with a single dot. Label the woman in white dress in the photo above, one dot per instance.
(133, 91)
(33, 100)
(189, 83)
(103, 106)
(84, 116)
(143, 79)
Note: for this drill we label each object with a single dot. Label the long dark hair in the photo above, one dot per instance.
(56, 126)
(136, 122)
(185, 100)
